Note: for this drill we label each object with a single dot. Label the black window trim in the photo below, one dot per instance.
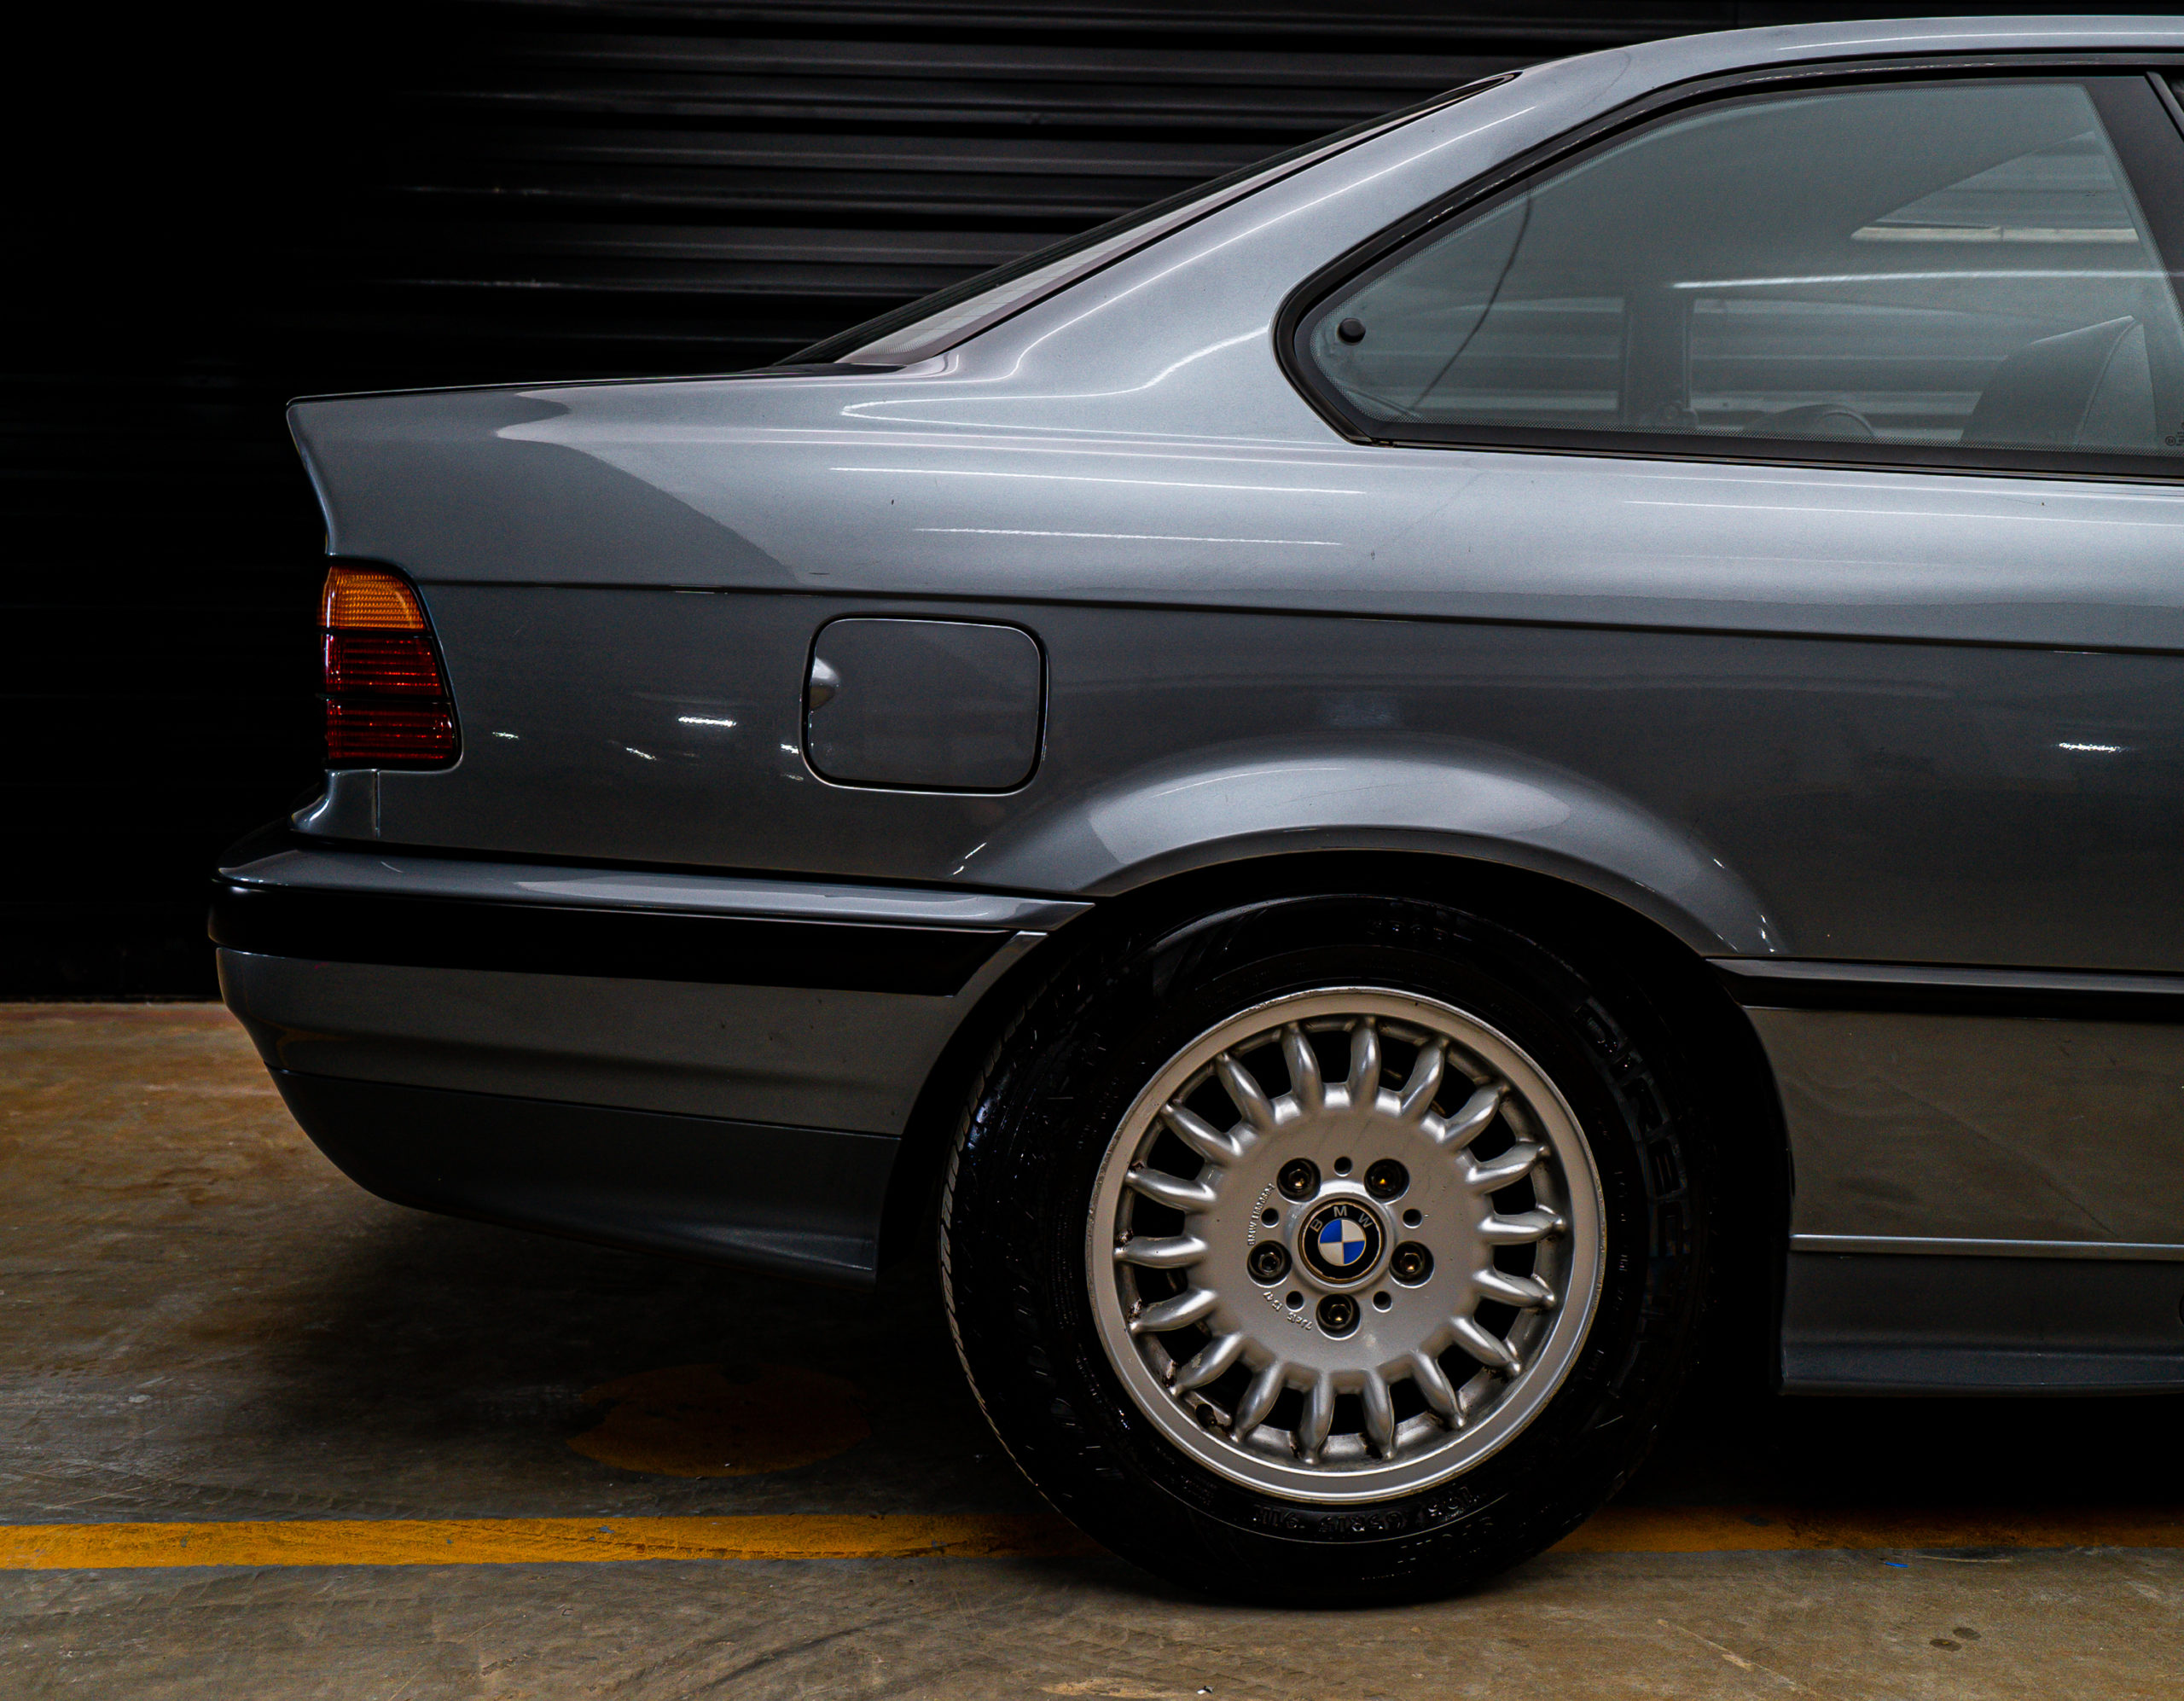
(2160, 194)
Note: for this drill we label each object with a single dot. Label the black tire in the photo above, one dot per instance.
(1020, 1185)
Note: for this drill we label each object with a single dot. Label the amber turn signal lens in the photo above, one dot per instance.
(369, 598)
(387, 702)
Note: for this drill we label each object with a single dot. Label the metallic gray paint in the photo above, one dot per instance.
(1862, 1324)
(347, 809)
(851, 1060)
(402, 874)
(1756, 796)
(1857, 716)
(1981, 1127)
(799, 1201)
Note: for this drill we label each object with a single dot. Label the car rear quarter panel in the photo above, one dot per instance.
(1829, 714)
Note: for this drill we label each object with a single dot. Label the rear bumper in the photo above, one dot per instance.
(396, 930)
(794, 1201)
(686, 1063)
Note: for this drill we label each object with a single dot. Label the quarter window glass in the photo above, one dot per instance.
(1943, 264)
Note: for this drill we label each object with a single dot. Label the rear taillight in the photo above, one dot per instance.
(387, 704)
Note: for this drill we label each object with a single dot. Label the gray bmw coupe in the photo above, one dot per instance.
(1392, 788)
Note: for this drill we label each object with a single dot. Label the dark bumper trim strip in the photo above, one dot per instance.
(1955, 1246)
(628, 945)
(1938, 989)
(1868, 1323)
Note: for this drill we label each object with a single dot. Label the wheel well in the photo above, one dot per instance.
(1725, 1064)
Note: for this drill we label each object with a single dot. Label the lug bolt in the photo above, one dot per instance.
(1269, 1261)
(1299, 1178)
(1337, 1314)
(1387, 1179)
(1411, 1264)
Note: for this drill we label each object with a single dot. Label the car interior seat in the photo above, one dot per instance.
(2081, 389)
(1815, 419)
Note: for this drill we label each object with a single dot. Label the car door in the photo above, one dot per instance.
(1878, 379)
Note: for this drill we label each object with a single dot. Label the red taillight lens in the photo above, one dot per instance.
(387, 734)
(369, 663)
(387, 703)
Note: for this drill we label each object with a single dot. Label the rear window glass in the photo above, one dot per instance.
(1935, 265)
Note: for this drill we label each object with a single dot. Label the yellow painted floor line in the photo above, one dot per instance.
(903, 1536)
(531, 1541)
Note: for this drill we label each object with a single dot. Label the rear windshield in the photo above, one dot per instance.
(936, 322)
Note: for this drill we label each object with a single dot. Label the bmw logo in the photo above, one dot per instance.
(1341, 1240)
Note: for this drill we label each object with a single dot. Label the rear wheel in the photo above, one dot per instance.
(1332, 1249)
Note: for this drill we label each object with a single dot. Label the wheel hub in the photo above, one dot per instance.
(1345, 1245)
(1341, 1240)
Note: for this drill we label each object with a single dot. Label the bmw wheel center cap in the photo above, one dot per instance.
(1341, 1240)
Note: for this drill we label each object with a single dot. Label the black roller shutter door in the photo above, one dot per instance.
(214, 214)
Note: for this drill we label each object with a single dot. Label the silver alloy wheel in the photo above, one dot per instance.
(1345, 1245)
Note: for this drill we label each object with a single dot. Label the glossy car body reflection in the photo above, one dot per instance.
(1898, 749)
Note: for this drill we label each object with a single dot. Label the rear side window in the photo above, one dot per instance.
(1946, 271)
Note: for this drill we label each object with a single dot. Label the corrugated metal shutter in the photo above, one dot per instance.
(637, 187)
(218, 216)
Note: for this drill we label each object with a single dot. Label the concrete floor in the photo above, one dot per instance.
(201, 1321)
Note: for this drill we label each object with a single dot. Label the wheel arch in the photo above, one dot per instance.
(1216, 808)
(1695, 1013)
